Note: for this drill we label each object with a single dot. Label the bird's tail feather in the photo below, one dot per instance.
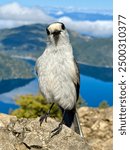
(71, 120)
(77, 126)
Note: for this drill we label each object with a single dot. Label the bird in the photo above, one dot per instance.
(59, 76)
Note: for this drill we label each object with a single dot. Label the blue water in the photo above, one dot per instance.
(7, 107)
(7, 99)
(94, 91)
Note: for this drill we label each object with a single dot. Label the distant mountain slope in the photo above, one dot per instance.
(30, 40)
(93, 51)
(23, 40)
(11, 68)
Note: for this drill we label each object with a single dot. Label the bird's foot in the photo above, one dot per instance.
(44, 117)
(57, 130)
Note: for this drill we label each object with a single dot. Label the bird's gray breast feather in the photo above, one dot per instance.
(58, 78)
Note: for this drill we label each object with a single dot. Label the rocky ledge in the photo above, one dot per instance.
(27, 134)
(97, 127)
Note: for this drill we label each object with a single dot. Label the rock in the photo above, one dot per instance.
(6, 119)
(97, 127)
(33, 140)
(26, 134)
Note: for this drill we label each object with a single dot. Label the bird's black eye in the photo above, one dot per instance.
(47, 31)
(63, 26)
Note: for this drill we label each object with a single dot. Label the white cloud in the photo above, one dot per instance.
(13, 14)
(95, 28)
(59, 12)
(78, 9)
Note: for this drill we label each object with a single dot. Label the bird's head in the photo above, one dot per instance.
(57, 33)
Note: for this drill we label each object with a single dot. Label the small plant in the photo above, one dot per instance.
(103, 104)
(32, 106)
(81, 102)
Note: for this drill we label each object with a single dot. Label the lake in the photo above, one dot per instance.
(95, 86)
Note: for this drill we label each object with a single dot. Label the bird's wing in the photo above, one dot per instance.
(77, 78)
(36, 69)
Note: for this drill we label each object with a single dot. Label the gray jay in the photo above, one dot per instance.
(58, 76)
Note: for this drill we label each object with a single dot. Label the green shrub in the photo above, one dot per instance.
(103, 104)
(32, 106)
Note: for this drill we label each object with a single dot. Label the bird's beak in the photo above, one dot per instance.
(56, 36)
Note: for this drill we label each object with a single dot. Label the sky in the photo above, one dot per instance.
(89, 4)
(15, 13)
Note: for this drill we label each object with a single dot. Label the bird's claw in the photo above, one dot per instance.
(57, 130)
(42, 118)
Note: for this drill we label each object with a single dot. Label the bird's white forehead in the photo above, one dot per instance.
(54, 26)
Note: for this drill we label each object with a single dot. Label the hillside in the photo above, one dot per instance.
(31, 40)
(14, 68)
(24, 40)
